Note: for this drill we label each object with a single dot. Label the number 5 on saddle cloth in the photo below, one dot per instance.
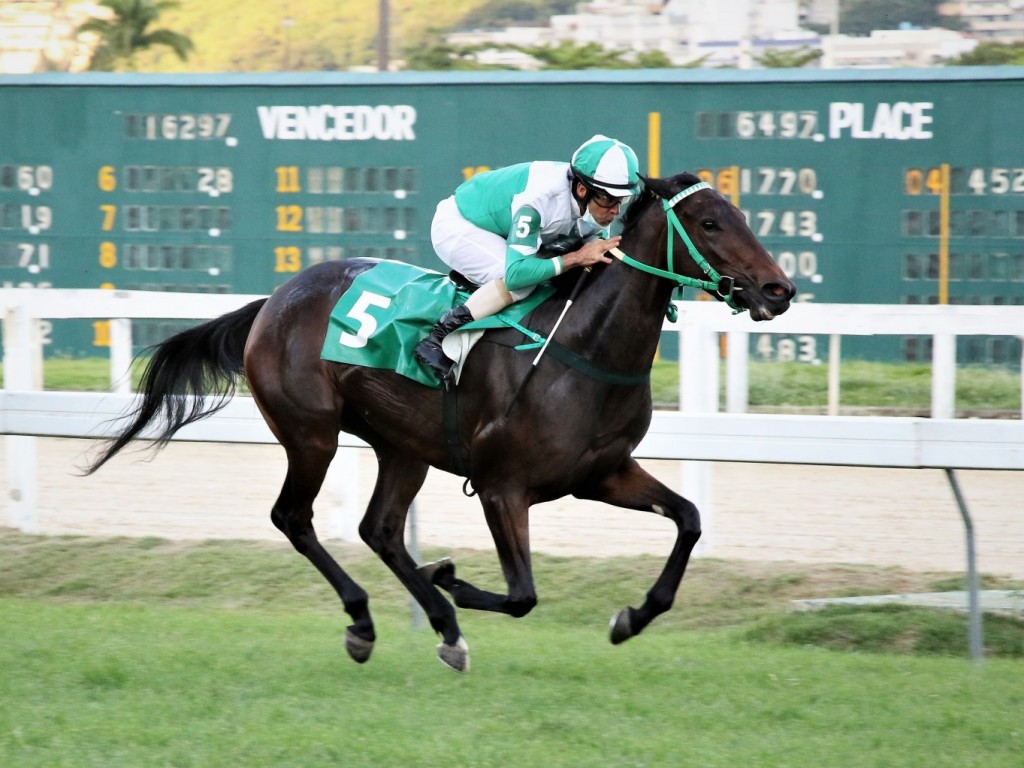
(390, 307)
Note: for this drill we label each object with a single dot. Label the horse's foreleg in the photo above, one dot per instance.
(399, 479)
(509, 520)
(293, 516)
(633, 488)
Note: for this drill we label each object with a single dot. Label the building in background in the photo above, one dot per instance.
(734, 33)
(894, 48)
(727, 33)
(994, 21)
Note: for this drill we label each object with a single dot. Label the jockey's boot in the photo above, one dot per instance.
(429, 350)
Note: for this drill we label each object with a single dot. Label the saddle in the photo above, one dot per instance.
(387, 309)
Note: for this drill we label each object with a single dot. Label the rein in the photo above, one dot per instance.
(721, 286)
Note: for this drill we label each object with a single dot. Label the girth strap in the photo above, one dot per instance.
(450, 425)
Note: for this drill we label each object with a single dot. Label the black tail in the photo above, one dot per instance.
(190, 376)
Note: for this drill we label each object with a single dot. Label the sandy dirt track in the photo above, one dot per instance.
(885, 517)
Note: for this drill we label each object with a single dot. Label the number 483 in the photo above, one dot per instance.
(798, 349)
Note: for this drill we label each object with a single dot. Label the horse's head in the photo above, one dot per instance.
(710, 243)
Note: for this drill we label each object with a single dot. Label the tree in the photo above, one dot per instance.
(568, 55)
(564, 56)
(442, 57)
(778, 59)
(653, 60)
(127, 33)
(990, 54)
(860, 17)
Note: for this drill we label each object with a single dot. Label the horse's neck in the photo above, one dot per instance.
(627, 309)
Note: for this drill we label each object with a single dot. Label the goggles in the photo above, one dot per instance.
(604, 200)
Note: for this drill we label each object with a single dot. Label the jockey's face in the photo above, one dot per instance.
(603, 207)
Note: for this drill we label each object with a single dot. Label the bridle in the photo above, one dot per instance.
(722, 286)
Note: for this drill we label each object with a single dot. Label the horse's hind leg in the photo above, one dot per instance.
(293, 515)
(632, 487)
(509, 521)
(399, 479)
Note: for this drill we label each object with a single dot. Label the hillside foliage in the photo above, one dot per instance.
(314, 35)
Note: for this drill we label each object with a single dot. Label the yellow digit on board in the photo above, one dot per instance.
(101, 333)
(109, 212)
(934, 181)
(913, 181)
(287, 179)
(289, 218)
(728, 183)
(470, 171)
(108, 255)
(107, 178)
(287, 258)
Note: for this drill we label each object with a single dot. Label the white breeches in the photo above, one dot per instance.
(463, 246)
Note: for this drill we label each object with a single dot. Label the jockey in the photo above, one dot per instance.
(494, 226)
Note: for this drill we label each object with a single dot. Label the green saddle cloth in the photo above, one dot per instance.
(389, 308)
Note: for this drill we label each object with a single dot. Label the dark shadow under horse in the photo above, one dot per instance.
(571, 431)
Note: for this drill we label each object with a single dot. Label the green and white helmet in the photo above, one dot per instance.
(607, 164)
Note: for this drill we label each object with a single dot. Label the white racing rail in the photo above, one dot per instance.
(696, 434)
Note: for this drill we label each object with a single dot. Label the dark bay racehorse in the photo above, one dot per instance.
(572, 429)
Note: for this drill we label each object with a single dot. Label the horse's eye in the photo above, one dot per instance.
(709, 225)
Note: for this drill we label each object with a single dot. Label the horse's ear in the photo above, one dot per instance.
(661, 187)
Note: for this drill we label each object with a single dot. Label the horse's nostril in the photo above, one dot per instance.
(778, 290)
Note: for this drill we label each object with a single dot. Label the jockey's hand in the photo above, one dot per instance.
(591, 253)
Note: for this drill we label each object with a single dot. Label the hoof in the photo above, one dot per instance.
(358, 648)
(439, 572)
(455, 656)
(621, 627)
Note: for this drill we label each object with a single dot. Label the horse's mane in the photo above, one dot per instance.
(638, 207)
